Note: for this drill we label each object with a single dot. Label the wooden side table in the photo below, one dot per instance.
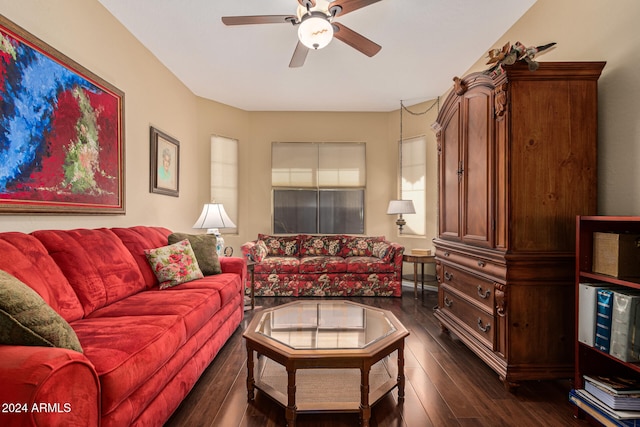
(422, 260)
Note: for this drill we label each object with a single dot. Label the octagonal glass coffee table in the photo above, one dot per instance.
(325, 355)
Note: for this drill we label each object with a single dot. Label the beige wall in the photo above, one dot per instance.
(86, 32)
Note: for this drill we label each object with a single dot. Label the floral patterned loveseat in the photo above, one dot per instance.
(340, 265)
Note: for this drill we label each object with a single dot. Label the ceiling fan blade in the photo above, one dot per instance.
(303, 3)
(356, 40)
(258, 19)
(299, 56)
(347, 6)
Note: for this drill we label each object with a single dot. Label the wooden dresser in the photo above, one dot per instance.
(517, 163)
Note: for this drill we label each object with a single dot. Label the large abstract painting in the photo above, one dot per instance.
(61, 132)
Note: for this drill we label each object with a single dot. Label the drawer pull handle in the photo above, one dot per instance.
(483, 328)
(483, 294)
(446, 254)
(448, 276)
(481, 264)
(448, 302)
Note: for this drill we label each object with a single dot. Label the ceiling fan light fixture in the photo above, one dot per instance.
(315, 31)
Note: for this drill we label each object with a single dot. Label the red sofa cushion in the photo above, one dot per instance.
(194, 306)
(154, 401)
(97, 264)
(127, 350)
(139, 238)
(228, 286)
(24, 257)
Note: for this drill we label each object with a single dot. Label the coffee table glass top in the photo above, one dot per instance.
(325, 325)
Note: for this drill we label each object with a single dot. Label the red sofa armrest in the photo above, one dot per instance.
(44, 386)
(234, 265)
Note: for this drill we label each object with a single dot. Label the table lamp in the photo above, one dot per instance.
(400, 207)
(213, 217)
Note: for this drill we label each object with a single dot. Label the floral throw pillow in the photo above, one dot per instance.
(382, 251)
(280, 245)
(204, 248)
(259, 251)
(174, 264)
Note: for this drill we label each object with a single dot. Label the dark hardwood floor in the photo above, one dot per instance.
(447, 385)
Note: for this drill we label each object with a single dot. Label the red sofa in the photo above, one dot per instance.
(325, 265)
(143, 348)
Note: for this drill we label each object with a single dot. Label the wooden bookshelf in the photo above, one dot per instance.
(589, 360)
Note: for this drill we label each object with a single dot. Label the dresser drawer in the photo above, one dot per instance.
(475, 287)
(483, 266)
(475, 320)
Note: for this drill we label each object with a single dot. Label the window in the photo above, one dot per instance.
(318, 187)
(224, 175)
(413, 155)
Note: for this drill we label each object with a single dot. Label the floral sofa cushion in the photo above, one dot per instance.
(366, 264)
(280, 245)
(322, 264)
(278, 264)
(320, 245)
(347, 284)
(359, 246)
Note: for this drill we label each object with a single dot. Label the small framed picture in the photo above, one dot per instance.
(165, 164)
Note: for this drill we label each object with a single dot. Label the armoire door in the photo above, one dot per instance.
(476, 167)
(450, 174)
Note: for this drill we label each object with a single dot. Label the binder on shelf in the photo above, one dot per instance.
(603, 319)
(625, 326)
(587, 309)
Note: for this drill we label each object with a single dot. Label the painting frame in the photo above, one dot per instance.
(164, 163)
(67, 154)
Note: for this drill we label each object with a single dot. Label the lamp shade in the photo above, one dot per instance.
(315, 31)
(400, 207)
(214, 216)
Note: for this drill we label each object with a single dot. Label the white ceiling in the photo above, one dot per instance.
(424, 44)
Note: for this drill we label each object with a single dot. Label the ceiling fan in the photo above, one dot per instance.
(316, 26)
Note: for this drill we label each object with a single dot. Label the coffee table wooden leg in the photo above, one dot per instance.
(250, 380)
(290, 410)
(401, 372)
(365, 409)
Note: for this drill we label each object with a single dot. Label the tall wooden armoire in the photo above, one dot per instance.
(517, 163)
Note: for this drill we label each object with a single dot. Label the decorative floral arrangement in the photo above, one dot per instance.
(509, 54)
